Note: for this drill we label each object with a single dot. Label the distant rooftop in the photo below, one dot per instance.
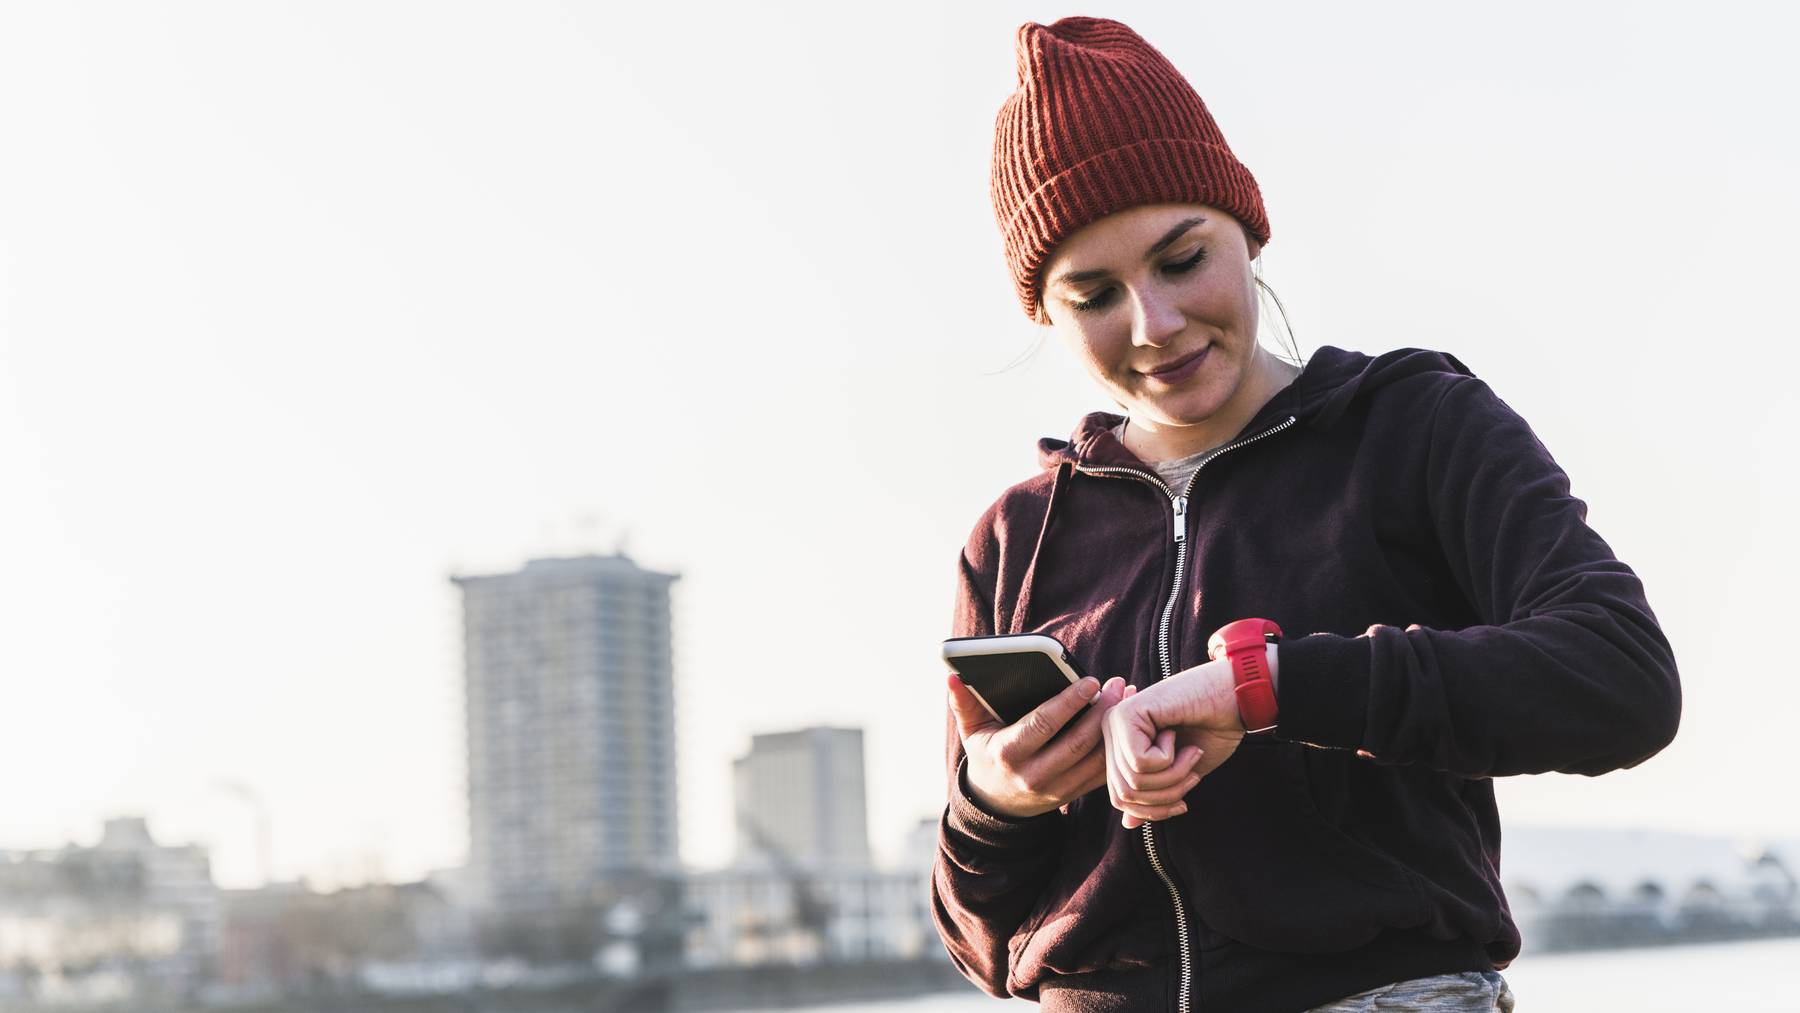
(556, 566)
(1552, 860)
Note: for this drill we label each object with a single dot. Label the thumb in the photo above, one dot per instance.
(971, 715)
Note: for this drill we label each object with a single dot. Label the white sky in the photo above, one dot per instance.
(304, 307)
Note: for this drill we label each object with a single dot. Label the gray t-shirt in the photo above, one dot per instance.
(1175, 474)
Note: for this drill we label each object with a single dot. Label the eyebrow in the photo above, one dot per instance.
(1174, 233)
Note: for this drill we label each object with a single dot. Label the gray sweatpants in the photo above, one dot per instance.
(1467, 992)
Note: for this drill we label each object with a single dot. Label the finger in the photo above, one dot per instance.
(1111, 730)
(1026, 736)
(1160, 796)
(1173, 774)
(1121, 731)
(1116, 689)
(1075, 762)
(1085, 776)
(1165, 744)
(1147, 748)
(1113, 787)
(1150, 814)
(971, 716)
(1083, 736)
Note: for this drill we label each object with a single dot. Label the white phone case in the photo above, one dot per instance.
(1028, 643)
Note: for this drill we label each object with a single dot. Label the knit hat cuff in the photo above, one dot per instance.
(1156, 171)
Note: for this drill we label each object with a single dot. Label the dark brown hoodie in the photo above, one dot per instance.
(1359, 845)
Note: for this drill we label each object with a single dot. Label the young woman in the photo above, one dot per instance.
(1405, 600)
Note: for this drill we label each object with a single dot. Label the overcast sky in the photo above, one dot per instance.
(305, 307)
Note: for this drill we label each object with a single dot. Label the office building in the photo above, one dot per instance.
(569, 686)
(800, 800)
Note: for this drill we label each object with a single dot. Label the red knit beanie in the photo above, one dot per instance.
(1102, 122)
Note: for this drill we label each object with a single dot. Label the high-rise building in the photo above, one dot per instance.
(569, 687)
(800, 799)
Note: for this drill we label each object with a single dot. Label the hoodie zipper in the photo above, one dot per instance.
(1178, 502)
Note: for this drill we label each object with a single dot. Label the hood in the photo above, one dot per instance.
(1332, 380)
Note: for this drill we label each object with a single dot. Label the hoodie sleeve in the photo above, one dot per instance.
(1568, 670)
(990, 870)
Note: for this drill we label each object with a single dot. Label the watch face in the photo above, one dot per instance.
(1242, 633)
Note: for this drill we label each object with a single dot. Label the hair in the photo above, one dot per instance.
(1291, 352)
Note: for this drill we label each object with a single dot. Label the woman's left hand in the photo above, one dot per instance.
(1163, 739)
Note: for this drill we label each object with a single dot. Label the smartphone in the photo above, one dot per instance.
(1012, 673)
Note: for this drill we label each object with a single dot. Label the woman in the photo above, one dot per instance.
(1448, 615)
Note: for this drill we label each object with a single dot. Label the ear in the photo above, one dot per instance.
(1252, 248)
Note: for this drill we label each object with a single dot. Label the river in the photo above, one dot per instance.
(1752, 977)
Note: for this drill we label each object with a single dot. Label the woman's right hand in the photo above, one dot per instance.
(1025, 768)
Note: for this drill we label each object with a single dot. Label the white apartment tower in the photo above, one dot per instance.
(569, 687)
(800, 800)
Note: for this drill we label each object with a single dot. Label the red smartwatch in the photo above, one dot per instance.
(1244, 642)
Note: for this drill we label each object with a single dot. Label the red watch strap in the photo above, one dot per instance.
(1244, 642)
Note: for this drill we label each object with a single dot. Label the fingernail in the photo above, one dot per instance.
(1180, 807)
(1091, 690)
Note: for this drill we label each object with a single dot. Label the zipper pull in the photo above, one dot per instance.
(1180, 519)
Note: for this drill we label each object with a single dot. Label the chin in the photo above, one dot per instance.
(1186, 409)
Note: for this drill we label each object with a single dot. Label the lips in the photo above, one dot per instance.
(1180, 369)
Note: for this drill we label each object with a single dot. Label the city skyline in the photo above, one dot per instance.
(303, 310)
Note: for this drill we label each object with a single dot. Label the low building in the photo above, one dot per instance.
(122, 919)
(751, 916)
(285, 939)
(1583, 888)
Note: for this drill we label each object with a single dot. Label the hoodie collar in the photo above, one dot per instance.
(1332, 381)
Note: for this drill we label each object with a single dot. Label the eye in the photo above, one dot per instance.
(1187, 265)
(1100, 299)
(1094, 302)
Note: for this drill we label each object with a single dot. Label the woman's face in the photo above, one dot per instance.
(1159, 304)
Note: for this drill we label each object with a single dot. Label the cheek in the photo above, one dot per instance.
(1233, 303)
(1220, 295)
(1094, 350)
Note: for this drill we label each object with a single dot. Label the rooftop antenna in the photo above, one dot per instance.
(246, 794)
(546, 538)
(587, 527)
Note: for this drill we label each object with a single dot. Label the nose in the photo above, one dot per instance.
(1155, 319)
